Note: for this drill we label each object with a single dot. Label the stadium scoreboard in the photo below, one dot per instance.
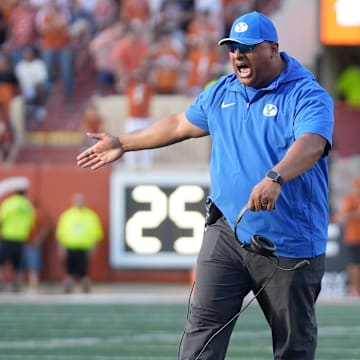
(156, 218)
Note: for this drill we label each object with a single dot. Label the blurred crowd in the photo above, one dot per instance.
(43, 42)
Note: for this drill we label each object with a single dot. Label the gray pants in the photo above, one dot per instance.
(226, 273)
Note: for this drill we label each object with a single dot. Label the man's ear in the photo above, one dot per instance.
(274, 48)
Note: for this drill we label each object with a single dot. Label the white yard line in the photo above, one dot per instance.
(133, 294)
(77, 342)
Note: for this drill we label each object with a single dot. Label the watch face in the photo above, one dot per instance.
(273, 175)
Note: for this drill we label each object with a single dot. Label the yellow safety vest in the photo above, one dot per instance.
(79, 228)
(348, 85)
(17, 216)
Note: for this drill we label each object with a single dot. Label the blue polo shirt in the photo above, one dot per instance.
(251, 131)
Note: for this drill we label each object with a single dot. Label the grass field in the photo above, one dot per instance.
(109, 331)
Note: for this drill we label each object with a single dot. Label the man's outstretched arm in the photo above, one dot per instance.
(109, 148)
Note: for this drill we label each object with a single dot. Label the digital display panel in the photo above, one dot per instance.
(157, 218)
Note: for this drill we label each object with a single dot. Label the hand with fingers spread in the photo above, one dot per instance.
(107, 149)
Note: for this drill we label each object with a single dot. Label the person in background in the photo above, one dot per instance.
(136, 10)
(6, 137)
(166, 61)
(17, 216)
(22, 29)
(104, 13)
(347, 86)
(3, 28)
(92, 122)
(200, 63)
(202, 26)
(9, 85)
(32, 75)
(82, 29)
(130, 53)
(173, 17)
(232, 9)
(78, 231)
(53, 25)
(350, 219)
(100, 49)
(139, 94)
(271, 127)
(9, 89)
(32, 254)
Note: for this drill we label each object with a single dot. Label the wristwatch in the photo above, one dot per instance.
(275, 177)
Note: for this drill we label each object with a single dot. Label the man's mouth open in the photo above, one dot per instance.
(243, 70)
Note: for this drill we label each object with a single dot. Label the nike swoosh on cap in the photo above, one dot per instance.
(223, 105)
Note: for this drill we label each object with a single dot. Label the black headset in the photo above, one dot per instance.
(262, 245)
(259, 243)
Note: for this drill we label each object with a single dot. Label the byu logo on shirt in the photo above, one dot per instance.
(270, 110)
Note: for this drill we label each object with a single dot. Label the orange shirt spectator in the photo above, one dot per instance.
(202, 27)
(350, 217)
(130, 53)
(350, 212)
(53, 22)
(135, 10)
(53, 25)
(93, 122)
(166, 65)
(139, 94)
(200, 62)
(102, 45)
(101, 49)
(7, 7)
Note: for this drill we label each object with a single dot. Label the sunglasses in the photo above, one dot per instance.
(243, 48)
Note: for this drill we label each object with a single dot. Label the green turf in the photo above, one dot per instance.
(151, 332)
